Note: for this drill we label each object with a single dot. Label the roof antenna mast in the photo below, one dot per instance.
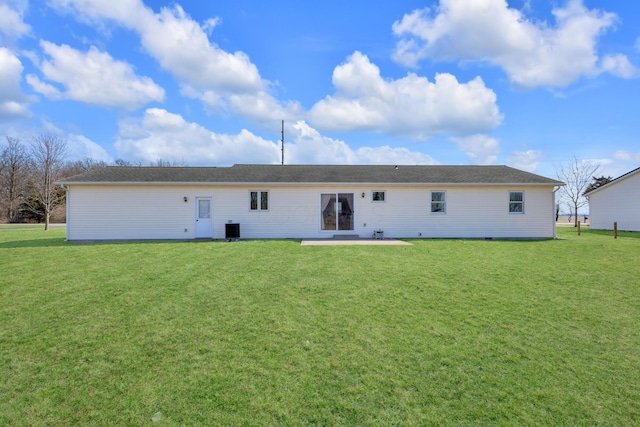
(282, 149)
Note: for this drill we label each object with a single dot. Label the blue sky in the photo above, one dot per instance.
(527, 83)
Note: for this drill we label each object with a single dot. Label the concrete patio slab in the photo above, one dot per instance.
(360, 242)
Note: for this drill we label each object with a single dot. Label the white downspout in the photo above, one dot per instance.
(553, 213)
(66, 215)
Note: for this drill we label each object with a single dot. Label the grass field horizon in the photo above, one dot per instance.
(442, 332)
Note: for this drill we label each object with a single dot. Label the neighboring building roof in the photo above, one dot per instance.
(311, 174)
(615, 181)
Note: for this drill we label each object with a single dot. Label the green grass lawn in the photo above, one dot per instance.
(443, 332)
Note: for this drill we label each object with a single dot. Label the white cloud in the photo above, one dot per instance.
(619, 66)
(310, 147)
(386, 155)
(50, 127)
(13, 103)
(43, 88)
(205, 71)
(479, 149)
(160, 134)
(93, 77)
(210, 24)
(12, 25)
(526, 160)
(80, 147)
(411, 106)
(94, 11)
(627, 156)
(231, 83)
(262, 107)
(622, 162)
(532, 53)
(167, 136)
(182, 47)
(178, 42)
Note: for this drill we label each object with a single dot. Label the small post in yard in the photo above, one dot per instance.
(578, 228)
(615, 230)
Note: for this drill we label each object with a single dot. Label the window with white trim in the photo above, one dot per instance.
(378, 196)
(259, 200)
(438, 202)
(516, 202)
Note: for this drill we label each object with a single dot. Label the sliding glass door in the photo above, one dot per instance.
(337, 211)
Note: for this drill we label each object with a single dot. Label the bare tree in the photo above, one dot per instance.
(122, 162)
(81, 166)
(167, 163)
(577, 175)
(48, 154)
(14, 164)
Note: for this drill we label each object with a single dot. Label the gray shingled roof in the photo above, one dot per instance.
(311, 174)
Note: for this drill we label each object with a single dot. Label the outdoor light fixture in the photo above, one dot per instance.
(185, 199)
(363, 195)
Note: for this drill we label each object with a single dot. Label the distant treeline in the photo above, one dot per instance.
(28, 172)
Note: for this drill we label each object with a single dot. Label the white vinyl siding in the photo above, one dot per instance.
(127, 212)
(472, 212)
(620, 202)
(112, 212)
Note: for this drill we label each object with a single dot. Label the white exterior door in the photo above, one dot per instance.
(204, 220)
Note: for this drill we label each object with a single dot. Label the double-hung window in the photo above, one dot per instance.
(438, 202)
(259, 200)
(516, 202)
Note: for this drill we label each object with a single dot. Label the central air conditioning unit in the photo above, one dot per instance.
(232, 231)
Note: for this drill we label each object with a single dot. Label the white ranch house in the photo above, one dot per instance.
(309, 201)
(617, 201)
